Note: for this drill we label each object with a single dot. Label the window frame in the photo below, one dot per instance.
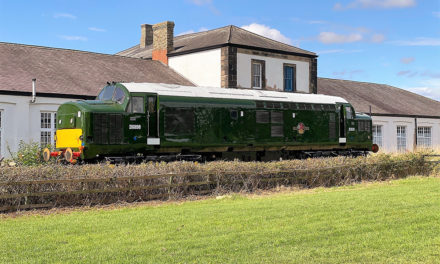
(262, 74)
(293, 66)
(374, 130)
(50, 130)
(401, 137)
(422, 137)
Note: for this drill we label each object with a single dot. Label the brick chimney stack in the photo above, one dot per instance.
(146, 35)
(163, 38)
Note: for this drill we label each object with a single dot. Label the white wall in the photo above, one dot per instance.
(389, 131)
(202, 68)
(21, 119)
(274, 72)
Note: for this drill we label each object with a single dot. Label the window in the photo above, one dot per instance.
(233, 114)
(47, 128)
(377, 135)
(424, 136)
(136, 104)
(119, 95)
(257, 74)
(151, 104)
(348, 112)
(106, 94)
(401, 138)
(289, 78)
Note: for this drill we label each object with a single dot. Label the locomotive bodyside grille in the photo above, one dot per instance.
(100, 129)
(107, 128)
(116, 131)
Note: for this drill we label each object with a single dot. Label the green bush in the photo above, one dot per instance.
(28, 154)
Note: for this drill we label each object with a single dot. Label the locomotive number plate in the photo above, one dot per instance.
(134, 127)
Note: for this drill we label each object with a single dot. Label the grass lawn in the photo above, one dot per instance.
(388, 222)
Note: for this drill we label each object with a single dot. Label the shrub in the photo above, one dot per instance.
(28, 154)
(102, 184)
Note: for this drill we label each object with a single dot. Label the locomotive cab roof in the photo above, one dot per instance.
(228, 93)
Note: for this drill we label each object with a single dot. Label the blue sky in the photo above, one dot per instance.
(396, 42)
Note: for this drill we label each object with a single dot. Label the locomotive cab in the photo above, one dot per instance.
(76, 133)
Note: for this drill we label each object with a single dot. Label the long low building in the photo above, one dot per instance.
(402, 120)
(61, 75)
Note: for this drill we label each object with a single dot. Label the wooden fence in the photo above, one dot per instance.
(31, 194)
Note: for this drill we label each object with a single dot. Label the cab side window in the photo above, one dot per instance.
(152, 104)
(136, 104)
(348, 112)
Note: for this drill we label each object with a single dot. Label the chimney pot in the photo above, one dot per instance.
(146, 35)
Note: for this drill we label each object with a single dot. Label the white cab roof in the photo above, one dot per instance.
(227, 93)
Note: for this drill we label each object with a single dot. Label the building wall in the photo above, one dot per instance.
(21, 120)
(389, 131)
(202, 68)
(274, 72)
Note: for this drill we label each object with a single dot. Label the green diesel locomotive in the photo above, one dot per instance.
(150, 121)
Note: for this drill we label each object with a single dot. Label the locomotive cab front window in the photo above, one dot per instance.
(106, 94)
(119, 95)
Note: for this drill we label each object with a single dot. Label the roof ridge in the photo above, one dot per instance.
(64, 49)
(261, 36)
(230, 34)
(197, 33)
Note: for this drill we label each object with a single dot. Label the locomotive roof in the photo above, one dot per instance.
(227, 93)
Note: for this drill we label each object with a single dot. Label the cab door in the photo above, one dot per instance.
(137, 128)
(152, 120)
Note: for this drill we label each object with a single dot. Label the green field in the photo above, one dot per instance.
(387, 222)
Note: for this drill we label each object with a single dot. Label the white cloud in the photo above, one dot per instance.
(377, 38)
(417, 42)
(191, 31)
(436, 14)
(97, 29)
(64, 15)
(80, 38)
(332, 37)
(338, 51)
(407, 60)
(380, 4)
(268, 32)
(429, 88)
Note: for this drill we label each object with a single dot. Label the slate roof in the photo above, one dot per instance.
(73, 72)
(384, 99)
(229, 35)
